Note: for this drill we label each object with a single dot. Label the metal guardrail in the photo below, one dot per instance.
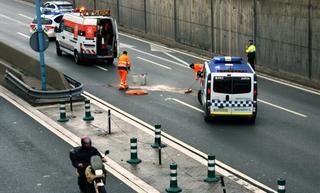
(52, 94)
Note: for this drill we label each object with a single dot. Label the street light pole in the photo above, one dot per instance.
(41, 46)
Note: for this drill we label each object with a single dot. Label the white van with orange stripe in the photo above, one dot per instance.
(88, 35)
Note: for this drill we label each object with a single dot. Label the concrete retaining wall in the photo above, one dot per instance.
(31, 67)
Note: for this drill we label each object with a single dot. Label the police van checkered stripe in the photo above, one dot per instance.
(218, 103)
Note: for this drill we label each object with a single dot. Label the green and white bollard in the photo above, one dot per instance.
(173, 179)
(157, 138)
(211, 170)
(62, 108)
(281, 185)
(87, 116)
(134, 152)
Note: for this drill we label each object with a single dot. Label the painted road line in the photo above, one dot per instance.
(161, 58)
(23, 35)
(180, 146)
(114, 168)
(185, 104)
(262, 101)
(13, 20)
(163, 66)
(164, 47)
(261, 75)
(30, 18)
(101, 68)
(282, 108)
(287, 83)
(25, 3)
(176, 58)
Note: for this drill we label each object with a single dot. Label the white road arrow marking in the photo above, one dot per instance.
(163, 66)
(178, 59)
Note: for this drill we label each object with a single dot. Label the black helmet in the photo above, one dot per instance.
(125, 52)
(85, 142)
(191, 65)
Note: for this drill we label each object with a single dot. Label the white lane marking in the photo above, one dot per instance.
(25, 3)
(166, 48)
(163, 66)
(161, 58)
(262, 101)
(23, 35)
(261, 75)
(282, 108)
(185, 104)
(287, 83)
(114, 168)
(189, 151)
(13, 20)
(101, 68)
(30, 18)
(176, 58)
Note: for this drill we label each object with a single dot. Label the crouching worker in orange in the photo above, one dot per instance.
(197, 69)
(123, 68)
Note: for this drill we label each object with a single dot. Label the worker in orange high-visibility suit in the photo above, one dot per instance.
(197, 69)
(123, 68)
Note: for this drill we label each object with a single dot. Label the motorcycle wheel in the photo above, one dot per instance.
(101, 189)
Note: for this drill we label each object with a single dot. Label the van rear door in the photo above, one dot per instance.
(241, 96)
(105, 37)
(220, 96)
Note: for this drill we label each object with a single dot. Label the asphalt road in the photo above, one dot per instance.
(282, 143)
(34, 160)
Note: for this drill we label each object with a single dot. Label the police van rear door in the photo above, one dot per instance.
(232, 94)
(220, 96)
(241, 93)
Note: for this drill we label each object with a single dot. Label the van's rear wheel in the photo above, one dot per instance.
(77, 57)
(252, 118)
(58, 50)
(110, 61)
(101, 189)
(199, 97)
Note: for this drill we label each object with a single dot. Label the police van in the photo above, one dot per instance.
(228, 88)
(88, 35)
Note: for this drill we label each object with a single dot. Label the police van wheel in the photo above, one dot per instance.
(110, 61)
(76, 58)
(58, 50)
(206, 118)
(252, 119)
(199, 97)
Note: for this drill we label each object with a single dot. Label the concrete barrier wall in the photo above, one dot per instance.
(31, 66)
(282, 36)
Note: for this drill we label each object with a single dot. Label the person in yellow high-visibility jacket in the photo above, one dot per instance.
(123, 68)
(251, 53)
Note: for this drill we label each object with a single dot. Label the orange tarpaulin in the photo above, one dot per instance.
(136, 92)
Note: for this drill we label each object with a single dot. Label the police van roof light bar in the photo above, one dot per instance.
(227, 59)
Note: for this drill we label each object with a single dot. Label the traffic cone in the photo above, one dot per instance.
(281, 185)
(173, 179)
(87, 116)
(211, 170)
(134, 152)
(157, 138)
(62, 108)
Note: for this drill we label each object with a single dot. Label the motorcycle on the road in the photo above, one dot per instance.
(96, 175)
